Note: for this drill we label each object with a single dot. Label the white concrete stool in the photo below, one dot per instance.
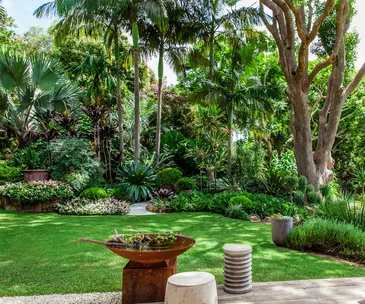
(191, 288)
(237, 268)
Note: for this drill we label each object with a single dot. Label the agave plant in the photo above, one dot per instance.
(139, 181)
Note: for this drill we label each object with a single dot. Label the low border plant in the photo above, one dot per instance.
(329, 237)
(82, 206)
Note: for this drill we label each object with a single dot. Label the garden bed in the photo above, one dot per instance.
(13, 205)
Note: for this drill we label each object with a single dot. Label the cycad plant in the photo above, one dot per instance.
(138, 181)
(29, 86)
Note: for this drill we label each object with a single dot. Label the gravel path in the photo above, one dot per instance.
(139, 209)
(87, 298)
(330, 291)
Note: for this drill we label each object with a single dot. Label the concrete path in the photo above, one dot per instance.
(333, 291)
(139, 209)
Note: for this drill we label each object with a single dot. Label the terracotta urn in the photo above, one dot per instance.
(36, 175)
(280, 229)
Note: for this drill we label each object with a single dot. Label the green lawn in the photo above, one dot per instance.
(38, 256)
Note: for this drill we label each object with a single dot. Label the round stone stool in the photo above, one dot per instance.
(237, 268)
(191, 288)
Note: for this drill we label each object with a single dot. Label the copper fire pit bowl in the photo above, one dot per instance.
(151, 256)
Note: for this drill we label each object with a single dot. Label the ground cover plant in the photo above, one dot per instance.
(38, 255)
(83, 206)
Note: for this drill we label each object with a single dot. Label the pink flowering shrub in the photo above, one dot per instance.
(37, 191)
(82, 206)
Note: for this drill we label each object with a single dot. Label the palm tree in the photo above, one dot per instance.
(231, 89)
(99, 70)
(28, 86)
(220, 14)
(168, 41)
(121, 13)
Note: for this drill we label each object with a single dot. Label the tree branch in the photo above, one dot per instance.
(354, 83)
(320, 66)
(317, 24)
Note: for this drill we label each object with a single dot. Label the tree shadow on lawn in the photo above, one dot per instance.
(41, 257)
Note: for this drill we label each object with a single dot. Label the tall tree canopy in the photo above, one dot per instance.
(307, 20)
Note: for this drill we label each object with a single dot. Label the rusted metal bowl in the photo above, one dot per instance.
(181, 244)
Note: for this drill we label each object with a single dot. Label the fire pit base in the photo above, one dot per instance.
(146, 283)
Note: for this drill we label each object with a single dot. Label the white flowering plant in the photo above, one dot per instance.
(82, 206)
(36, 191)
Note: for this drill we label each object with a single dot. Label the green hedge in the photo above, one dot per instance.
(262, 204)
(94, 193)
(168, 176)
(329, 237)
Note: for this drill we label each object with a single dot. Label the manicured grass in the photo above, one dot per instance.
(38, 256)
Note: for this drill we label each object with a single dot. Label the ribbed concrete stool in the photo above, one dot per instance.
(237, 268)
(191, 288)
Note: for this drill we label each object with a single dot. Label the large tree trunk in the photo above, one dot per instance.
(291, 20)
(159, 103)
(137, 124)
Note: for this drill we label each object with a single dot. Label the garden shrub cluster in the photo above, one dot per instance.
(186, 183)
(261, 204)
(38, 191)
(237, 211)
(82, 206)
(169, 176)
(329, 237)
(94, 193)
(9, 174)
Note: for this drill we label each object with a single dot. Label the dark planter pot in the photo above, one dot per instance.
(171, 187)
(36, 175)
(280, 229)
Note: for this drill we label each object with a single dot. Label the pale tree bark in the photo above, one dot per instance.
(119, 97)
(137, 114)
(159, 103)
(290, 21)
(137, 124)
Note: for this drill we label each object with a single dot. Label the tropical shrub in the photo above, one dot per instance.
(78, 180)
(138, 180)
(94, 193)
(237, 211)
(186, 183)
(313, 197)
(189, 202)
(343, 208)
(249, 162)
(163, 194)
(9, 174)
(242, 200)
(329, 237)
(82, 206)
(160, 205)
(169, 176)
(263, 205)
(37, 191)
(71, 156)
(32, 157)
